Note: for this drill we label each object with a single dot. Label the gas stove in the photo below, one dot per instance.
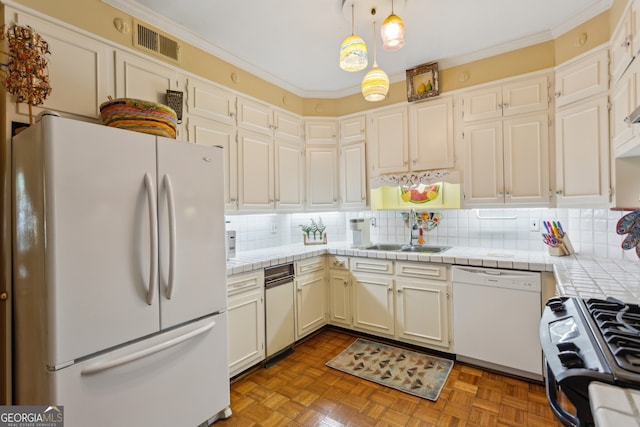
(586, 340)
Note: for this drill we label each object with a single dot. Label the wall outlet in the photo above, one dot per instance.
(534, 225)
(274, 228)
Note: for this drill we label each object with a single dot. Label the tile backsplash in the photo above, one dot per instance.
(592, 231)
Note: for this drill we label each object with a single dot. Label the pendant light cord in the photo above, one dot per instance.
(375, 56)
(353, 22)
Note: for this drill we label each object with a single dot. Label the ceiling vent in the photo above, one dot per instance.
(153, 41)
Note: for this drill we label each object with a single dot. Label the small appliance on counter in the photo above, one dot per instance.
(360, 232)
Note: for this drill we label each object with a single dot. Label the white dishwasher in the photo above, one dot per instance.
(496, 319)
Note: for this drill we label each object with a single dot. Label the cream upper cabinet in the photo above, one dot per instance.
(289, 177)
(254, 116)
(623, 101)
(353, 129)
(208, 101)
(621, 50)
(287, 127)
(517, 97)
(582, 154)
(353, 176)
(321, 131)
(80, 70)
(389, 141)
(507, 161)
(431, 134)
(321, 165)
(583, 77)
(256, 171)
(210, 132)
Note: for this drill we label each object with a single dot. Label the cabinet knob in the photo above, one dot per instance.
(507, 194)
(559, 192)
(505, 105)
(346, 283)
(500, 194)
(389, 289)
(4, 296)
(557, 94)
(399, 291)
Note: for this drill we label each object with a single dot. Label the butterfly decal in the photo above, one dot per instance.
(630, 224)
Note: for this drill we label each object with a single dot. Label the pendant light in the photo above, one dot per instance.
(392, 32)
(375, 84)
(353, 51)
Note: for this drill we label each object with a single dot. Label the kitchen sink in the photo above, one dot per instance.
(385, 247)
(427, 249)
(406, 248)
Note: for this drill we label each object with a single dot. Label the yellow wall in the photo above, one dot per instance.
(97, 17)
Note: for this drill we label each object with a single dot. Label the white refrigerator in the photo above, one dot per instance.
(119, 276)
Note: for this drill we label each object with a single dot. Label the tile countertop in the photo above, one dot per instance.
(576, 275)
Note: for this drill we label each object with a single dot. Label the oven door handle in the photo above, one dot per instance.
(552, 396)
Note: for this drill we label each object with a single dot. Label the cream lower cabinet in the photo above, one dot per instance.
(422, 304)
(339, 291)
(311, 296)
(372, 296)
(245, 309)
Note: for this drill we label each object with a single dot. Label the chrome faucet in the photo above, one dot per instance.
(412, 225)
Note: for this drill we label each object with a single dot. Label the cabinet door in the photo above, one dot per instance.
(210, 102)
(372, 307)
(287, 127)
(143, 79)
(321, 132)
(311, 303)
(339, 298)
(482, 104)
(289, 176)
(623, 102)
(77, 89)
(322, 177)
(422, 311)
(582, 78)
(525, 96)
(209, 132)
(246, 330)
(255, 171)
(582, 154)
(254, 116)
(621, 47)
(431, 134)
(484, 179)
(353, 129)
(526, 159)
(389, 141)
(353, 177)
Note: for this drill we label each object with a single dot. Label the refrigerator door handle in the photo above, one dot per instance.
(166, 180)
(110, 364)
(153, 236)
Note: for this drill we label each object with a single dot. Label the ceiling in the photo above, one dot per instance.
(295, 43)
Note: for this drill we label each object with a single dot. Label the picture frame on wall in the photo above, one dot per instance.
(423, 82)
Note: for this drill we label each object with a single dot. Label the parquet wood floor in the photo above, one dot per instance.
(301, 391)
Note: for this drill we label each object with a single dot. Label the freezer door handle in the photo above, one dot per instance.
(166, 180)
(110, 364)
(153, 236)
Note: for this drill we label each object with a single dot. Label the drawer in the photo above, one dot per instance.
(245, 282)
(371, 265)
(338, 262)
(310, 265)
(424, 270)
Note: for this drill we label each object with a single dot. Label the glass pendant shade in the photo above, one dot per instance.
(353, 54)
(392, 32)
(375, 84)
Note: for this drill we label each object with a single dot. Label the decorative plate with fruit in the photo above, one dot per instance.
(420, 194)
